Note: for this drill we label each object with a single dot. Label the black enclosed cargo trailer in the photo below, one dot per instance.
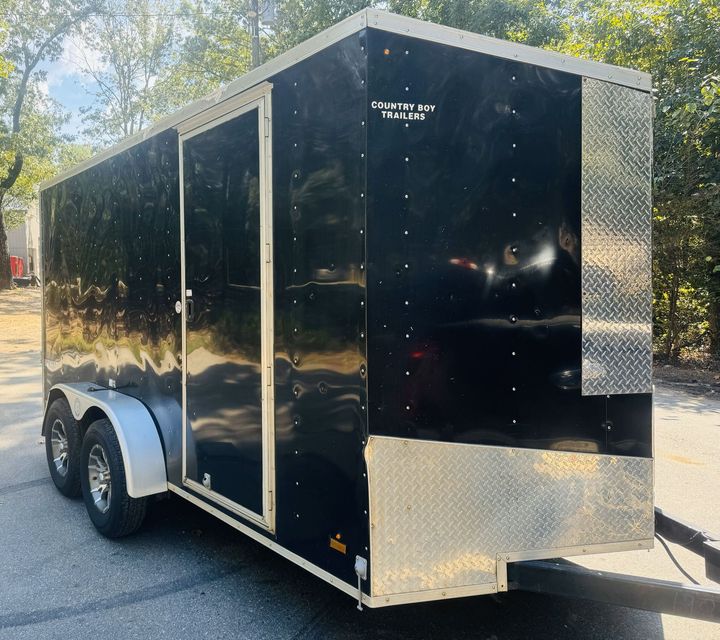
(382, 304)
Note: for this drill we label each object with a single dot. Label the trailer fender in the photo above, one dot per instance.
(142, 451)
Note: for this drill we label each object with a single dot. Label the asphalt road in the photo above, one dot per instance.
(187, 575)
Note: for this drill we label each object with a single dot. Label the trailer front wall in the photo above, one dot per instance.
(475, 255)
(482, 443)
(111, 251)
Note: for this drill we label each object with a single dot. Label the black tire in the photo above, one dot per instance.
(65, 466)
(122, 514)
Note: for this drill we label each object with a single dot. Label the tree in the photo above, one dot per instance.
(134, 39)
(298, 20)
(34, 34)
(214, 51)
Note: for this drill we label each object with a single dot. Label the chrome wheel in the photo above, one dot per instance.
(99, 477)
(59, 444)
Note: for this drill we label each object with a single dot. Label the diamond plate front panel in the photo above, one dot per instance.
(441, 512)
(616, 239)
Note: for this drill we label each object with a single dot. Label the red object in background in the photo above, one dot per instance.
(17, 266)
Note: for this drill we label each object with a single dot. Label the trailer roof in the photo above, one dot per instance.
(384, 21)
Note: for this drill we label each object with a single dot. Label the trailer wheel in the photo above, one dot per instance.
(63, 442)
(113, 512)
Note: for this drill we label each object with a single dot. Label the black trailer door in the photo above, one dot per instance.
(227, 310)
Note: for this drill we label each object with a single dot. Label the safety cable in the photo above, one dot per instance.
(674, 560)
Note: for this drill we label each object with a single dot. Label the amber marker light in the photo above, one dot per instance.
(386, 52)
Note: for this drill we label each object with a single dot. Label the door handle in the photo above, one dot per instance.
(190, 309)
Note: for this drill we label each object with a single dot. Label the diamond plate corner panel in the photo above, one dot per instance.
(616, 239)
(441, 512)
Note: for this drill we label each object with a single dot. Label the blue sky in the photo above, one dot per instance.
(68, 85)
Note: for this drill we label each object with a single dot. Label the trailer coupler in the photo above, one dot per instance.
(563, 578)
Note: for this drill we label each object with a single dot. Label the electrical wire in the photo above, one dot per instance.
(674, 560)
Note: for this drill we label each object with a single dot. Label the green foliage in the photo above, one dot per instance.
(134, 40)
(214, 50)
(158, 55)
(299, 20)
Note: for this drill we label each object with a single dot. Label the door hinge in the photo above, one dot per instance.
(269, 376)
(268, 253)
(270, 500)
(267, 127)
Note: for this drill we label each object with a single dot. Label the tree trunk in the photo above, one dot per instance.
(6, 281)
(671, 336)
(714, 326)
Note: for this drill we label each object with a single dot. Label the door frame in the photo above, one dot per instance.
(258, 98)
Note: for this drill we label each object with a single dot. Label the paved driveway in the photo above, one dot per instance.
(187, 575)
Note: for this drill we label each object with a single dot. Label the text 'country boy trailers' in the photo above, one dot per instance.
(382, 304)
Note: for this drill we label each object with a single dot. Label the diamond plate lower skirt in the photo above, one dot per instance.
(441, 512)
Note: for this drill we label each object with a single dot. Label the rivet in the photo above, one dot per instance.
(294, 112)
(407, 302)
(513, 353)
(513, 285)
(514, 389)
(294, 84)
(514, 111)
(513, 77)
(362, 303)
(295, 144)
(362, 334)
(407, 196)
(362, 231)
(406, 232)
(407, 407)
(362, 195)
(514, 215)
(362, 48)
(407, 335)
(362, 81)
(406, 52)
(362, 266)
(362, 155)
(407, 266)
(362, 124)
(513, 319)
(407, 373)
(514, 145)
(514, 421)
(406, 125)
(407, 159)
(513, 180)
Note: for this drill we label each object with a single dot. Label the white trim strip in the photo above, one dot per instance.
(322, 40)
(269, 543)
(510, 50)
(387, 22)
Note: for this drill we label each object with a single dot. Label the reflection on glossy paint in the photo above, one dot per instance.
(474, 305)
